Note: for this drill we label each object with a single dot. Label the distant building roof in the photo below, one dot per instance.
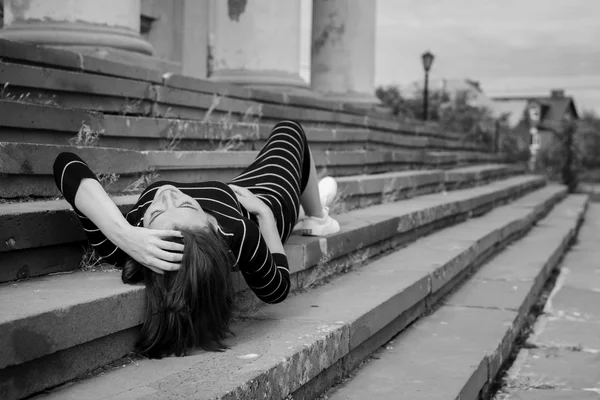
(554, 107)
(513, 109)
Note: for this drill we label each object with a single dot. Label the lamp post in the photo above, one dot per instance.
(427, 59)
(535, 113)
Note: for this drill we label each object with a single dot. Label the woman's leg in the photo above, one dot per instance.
(310, 198)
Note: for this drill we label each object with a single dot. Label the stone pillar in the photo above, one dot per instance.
(76, 24)
(343, 50)
(256, 43)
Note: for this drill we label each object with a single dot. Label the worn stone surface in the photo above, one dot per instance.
(545, 394)
(571, 302)
(44, 223)
(162, 160)
(556, 368)
(386, 292)
(129, 132)
(563, 361)
(492, 294)
(37, 117)
(29, 263)
(174, 93)
(365, 318)
(52, 215)
(66, 59)
(34, 159)
(271, 357)
(453, 341)
(457, 240)
(380, 379)
(22, 380)
(567, 333)
(37, 314)
(37, 78)
(508, 280)
(23, 220)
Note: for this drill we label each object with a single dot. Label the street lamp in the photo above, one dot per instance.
(427, 59)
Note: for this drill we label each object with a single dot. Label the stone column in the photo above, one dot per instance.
(256, 43)
(76, 23)
(343, 50)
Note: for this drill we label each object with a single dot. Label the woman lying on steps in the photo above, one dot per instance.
(184, 239)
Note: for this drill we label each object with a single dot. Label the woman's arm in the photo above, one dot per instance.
(144, 245)
(266, 273)
(107, 230)
(266, 220)
(262, 259)
(268, 229)
(94, 203)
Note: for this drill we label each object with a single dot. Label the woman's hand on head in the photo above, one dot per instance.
(151, 248)
(253, 204)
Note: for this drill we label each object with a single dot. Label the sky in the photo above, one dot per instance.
(510, 46)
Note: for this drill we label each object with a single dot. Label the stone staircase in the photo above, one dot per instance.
(420, 211)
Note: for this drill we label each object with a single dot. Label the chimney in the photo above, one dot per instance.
(557, 93)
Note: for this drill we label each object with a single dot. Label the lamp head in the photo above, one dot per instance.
(427, 59)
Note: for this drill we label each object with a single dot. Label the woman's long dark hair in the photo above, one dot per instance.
(190, 307)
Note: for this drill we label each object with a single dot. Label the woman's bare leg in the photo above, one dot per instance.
(310, 199)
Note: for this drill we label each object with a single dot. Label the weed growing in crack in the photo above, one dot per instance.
(225, 125)
(86, 136)
(130, 107)
(141, 183)
(528, 383)
(315, 274)
(107, 179)
(175, 133)
(3, 91)
(216, 100)
(26, 98)
(90, 259)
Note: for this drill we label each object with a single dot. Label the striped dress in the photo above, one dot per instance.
(278, 177)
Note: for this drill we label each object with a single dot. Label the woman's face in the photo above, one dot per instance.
(171, 207)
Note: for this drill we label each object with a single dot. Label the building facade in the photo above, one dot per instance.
(237, 41)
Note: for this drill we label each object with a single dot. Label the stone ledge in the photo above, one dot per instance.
(38, 159)
(27, 167)
(360, 230)
(283, 348)
(79, 62)
(111, 94)
(31, 228)
(26, 53)
(55, 125)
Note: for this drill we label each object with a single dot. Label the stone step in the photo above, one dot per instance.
(45, 237)
(74, 61)
(60, 126)
(70, 319)
(457, 351)
(302, 346)
(135, 91)
(560, 356)
(27, 168)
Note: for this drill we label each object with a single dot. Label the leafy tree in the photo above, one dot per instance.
(587, 139)
(411, 107)
(454, 114)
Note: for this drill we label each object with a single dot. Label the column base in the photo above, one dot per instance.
(76, 34)
(268, 80)
(360, 99)
(128, 58)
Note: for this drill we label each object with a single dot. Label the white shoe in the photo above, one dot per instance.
(328, 188)
(315, 226)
